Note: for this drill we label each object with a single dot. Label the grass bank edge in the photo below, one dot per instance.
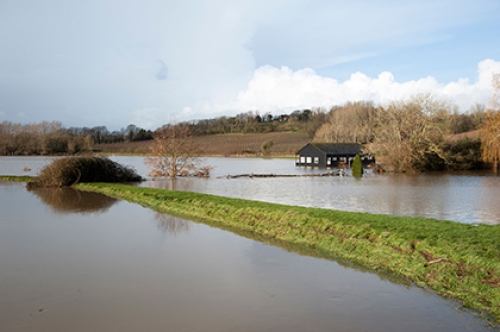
(456, 260)
(16, 178)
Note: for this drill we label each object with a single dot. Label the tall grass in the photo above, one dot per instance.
(457, 260)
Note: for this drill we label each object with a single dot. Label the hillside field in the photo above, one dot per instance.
(284, 144)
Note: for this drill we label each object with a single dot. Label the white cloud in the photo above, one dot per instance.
(282, 89)
(95, 62)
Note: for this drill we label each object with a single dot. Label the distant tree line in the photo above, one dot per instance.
(49, 138)
(408, 135)
(253, 122)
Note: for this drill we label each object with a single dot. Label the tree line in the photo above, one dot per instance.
(254, 122)
(408, 135)
(49, 138)
(413, 134)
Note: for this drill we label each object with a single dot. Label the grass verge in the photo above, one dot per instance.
(456, 260)
(16, 178)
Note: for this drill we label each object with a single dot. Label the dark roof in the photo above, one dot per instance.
(339, 148)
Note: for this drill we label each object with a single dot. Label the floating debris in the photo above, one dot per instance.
(272, 175)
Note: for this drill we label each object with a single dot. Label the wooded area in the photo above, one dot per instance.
(420, 133)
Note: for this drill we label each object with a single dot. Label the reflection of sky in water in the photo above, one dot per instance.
(128, 269)
(470, 197)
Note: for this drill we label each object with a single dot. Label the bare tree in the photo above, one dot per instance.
(490, 130)
(490, 139)
(350, 123)
(173, 153)
(408, 132)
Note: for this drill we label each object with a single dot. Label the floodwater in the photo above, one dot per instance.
(72, 261)
(468, 197)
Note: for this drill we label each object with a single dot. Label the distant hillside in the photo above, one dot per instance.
(236, 144)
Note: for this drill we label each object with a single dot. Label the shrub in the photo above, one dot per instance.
(67, 171)
(266, 148)
(457, 155)
(357, 166)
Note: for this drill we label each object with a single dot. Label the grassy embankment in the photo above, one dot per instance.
(456, 260)
(15, 178)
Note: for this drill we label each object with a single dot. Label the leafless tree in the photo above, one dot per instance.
(490, 139)
(490, 130)
(407, 132)
(350, 123)
(174, 154)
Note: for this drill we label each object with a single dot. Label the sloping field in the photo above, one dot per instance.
(239, 144)
(283, 143)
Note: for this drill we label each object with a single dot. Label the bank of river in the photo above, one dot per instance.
(456, 260)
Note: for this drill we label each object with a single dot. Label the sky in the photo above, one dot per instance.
(151, 62)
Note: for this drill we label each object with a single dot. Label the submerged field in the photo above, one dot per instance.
(456, 260)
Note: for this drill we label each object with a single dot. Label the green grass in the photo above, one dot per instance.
(16, 178)
(456, 260)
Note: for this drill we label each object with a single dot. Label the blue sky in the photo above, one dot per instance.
(150, 62)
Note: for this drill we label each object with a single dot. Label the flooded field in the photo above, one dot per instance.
(468, 197)
(72, 261)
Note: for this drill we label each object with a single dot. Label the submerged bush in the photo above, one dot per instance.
(65, 172)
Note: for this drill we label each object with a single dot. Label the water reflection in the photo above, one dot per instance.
(183, 183)
(119, 271)
(170, 224)
(69, 200)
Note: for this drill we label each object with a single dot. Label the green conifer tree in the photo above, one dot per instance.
(357, 166)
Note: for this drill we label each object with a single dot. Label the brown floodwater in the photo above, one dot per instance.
(107, 265)
(468, 197)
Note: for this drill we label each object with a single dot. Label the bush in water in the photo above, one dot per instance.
(67, 171)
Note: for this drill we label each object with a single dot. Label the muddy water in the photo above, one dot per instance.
(468, 197)
(105, 265)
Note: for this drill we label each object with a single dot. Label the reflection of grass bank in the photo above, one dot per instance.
(458, 260)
